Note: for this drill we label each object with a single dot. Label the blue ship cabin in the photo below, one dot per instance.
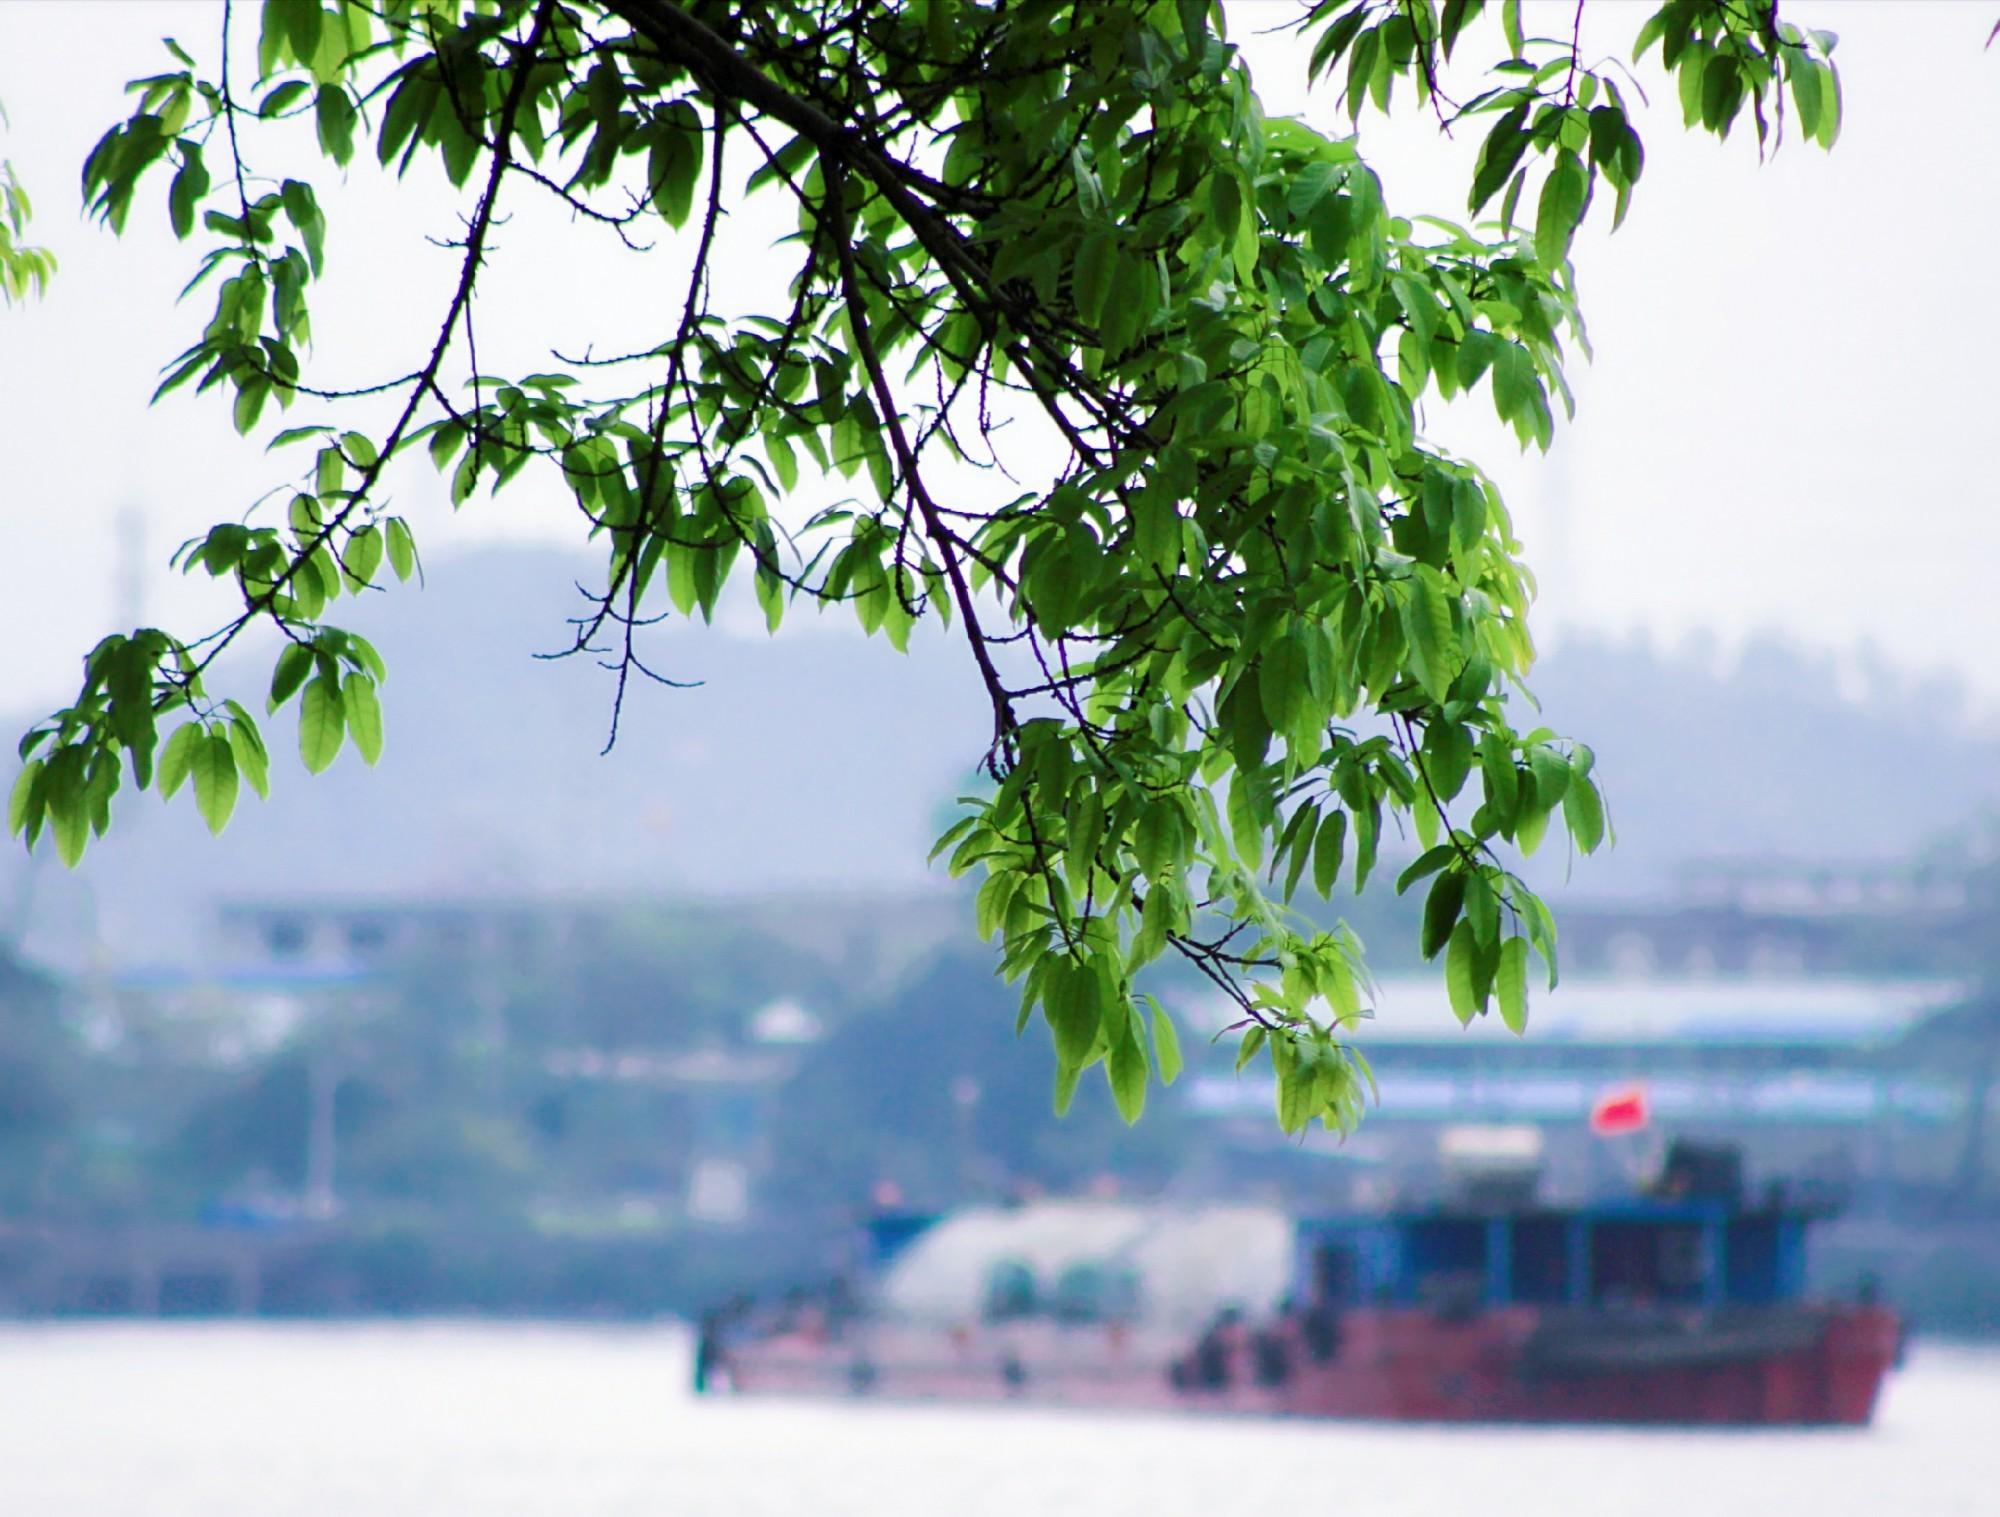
(1636, 1253)
(889, 1233)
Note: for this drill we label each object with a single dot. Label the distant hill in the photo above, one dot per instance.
(1780, 753)
(817, 761)
(814, 760)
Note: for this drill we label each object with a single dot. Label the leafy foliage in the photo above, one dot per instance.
(24, 270)
(1264, 619)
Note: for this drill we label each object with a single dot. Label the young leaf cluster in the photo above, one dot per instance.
(24, 269)
(1567, 120)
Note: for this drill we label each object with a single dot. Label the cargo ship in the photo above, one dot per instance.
(1682, 1303)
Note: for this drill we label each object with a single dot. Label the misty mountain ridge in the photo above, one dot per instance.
(818, 761)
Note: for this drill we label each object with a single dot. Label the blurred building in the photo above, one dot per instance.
(1814, 1077)
(691, 1098)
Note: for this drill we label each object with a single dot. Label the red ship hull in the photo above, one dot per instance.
(1798, 1366)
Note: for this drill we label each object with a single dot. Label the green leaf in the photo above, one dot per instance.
(1086, 831)
(1499, 154)
(1070, 1004)
(1583, 813)
(1125, 313)
(1296, 847)
(281, 98)
(1367, 838)
(177, 758)
(1607, 139)
(304, 212)
(1166, 1043)
(1361, 66)
(1282, 685)
(1510, 203)
(674, 167)
(770, 598)
(1246, 828)
(1225, 204)
(1447, 757)
(1512, 984)
(1340, 988)
(1501, 779)
(1306, 191)
(250, 398)
(1427, 864)
(21, 799)
(363, 713)
(408, 107)
(1688, 78)
(1155, 922)
(1066, 1077)
(783, 459)
(1565, 193)
(1247, 1049)
(1552, 775)
(1427, 623)
(129, 682)
(1806, 96)
(1721, 91)
(1830, 102)
(1649, 33)
(1297, 1087)
(989, 907)
(213, 768)
(1125, 1069)
(252, 761)
(295, 662)
(363, 556)
(1090, 278)
(1327, 849)
(1529, 827)
(1515, 388)
(401, 545)
(189, 186)
(322, 723)
(1468, 517)
(1458, 973)
(1541, 929)
(1441, 908)
(301, 20)
(69, 825)
(334, 115)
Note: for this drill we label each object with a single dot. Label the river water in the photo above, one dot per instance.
(439, 1420)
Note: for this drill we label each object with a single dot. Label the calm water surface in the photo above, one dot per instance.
(122, 1420)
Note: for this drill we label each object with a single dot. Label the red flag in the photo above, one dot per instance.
(1620, 1111)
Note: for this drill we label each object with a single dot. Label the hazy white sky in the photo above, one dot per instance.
(1786, 426)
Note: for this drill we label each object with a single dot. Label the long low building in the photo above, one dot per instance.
(1812, 1076)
